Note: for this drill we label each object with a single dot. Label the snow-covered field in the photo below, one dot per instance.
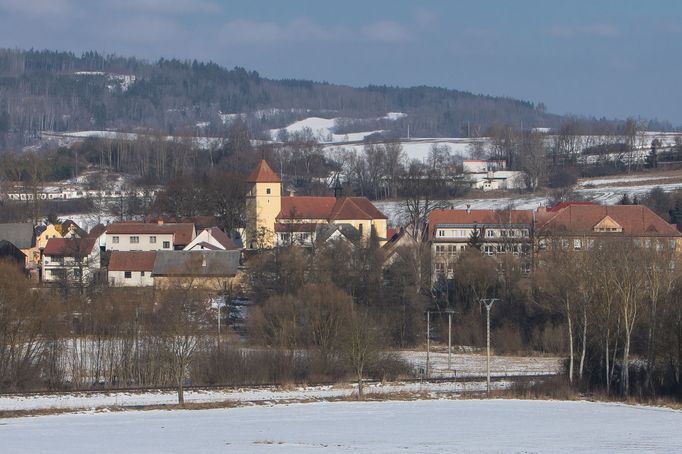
(429, 426)
(72, 401)
(414, 148)
(474, 365)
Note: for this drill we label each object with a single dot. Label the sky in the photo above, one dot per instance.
(612, 58)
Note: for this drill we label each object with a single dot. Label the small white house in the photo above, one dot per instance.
(71, 260)
(131, 268)
(140, 236)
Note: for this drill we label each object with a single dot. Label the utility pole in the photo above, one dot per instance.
(450, 312)
(428, 342)
(488, 303)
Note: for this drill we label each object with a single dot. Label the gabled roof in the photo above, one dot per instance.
(325, 231)
(478, 217)
(70, 225)
(306, 207)
(561, 205)
(222, 238)
(197, 263)
(19, 234)
(97, 231)
(329, 208)
(69, 247)
(635, 220)
(132, 261)
(263, 174)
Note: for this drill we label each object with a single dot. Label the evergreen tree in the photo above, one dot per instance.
(475, 238)
(676, 213)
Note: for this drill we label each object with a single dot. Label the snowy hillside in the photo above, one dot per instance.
(429, 426)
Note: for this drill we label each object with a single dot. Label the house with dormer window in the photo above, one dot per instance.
(580, 227)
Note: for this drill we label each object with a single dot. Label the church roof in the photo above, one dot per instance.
(263, 173)
(328, 208)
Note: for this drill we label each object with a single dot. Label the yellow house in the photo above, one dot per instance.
(275, 220)
(50, 231)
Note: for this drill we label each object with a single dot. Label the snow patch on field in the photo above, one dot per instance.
(468, 365)
(430, 426)
(129, 399)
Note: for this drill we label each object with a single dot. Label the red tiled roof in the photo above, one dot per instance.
(69, 247)
(132, 261)
(97, 230)
(636, 220)
(561, 205)
(328, 208)
(480, 217)
(183, 231)
(263, 174)
(305, 207)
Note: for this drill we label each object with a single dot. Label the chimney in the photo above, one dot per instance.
(159, 221)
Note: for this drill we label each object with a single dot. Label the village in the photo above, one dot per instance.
(159, 254)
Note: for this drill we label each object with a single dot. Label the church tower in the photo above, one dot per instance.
(263, 204)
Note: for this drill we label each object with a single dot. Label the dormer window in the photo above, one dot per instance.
(607, 225)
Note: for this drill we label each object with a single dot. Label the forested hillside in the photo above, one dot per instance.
(59, 91)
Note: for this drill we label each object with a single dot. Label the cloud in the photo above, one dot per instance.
(265, 32)
(602, 30)
(387, 32)
(425, 18)
(168, 6)
(37, 7)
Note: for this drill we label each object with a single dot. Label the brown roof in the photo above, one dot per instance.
(328, 208)
(263, 174)
(97, 230)
(69, 247)
(132, 261)
(478, 217)
(636, 220)
(222, 238)
(182, 231)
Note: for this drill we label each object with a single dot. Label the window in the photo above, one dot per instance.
(127, 274)
(267, 191)
(152, 239)
(489, 250)
(141, 273)
(166, 244)
(114, 240)
(577, 244)
(672, 244)
(441, 233)
(360, 229)
(590, 244)
(77, 273)
(134, 239)
(490, 233)
(564, 244)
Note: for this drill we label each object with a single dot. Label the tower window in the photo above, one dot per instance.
(267, 190)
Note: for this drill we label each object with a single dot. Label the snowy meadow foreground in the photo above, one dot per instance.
(431, 426)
